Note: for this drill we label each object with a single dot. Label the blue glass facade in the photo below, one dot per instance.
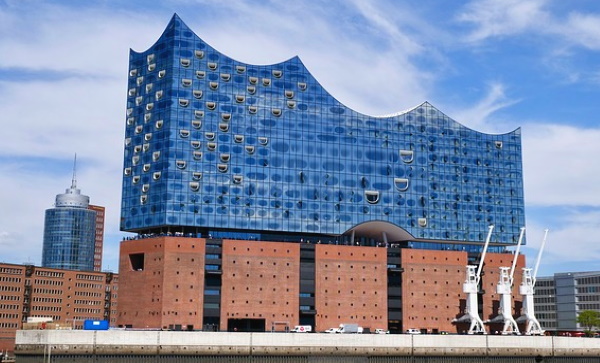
(69, 239)
(217, 146)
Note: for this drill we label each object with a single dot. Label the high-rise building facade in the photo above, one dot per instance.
(561, 298)
(98, 235)
(218, 147)
(369, 220)
(64, 296)
(70, 232)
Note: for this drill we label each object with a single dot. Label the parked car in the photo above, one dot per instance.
(412, 331)
(381, 331)
(331, 330)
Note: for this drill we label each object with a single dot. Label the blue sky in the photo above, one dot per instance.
(493, 65)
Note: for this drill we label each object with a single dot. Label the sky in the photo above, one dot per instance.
(492, 65)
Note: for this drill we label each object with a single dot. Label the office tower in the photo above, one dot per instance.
(260, 201)
(70, 232)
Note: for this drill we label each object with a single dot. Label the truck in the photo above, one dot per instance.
(349, 329)
(302, 329)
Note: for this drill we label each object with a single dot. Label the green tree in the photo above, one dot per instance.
(589, 319)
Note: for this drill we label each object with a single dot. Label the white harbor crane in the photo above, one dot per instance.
(504, 289)
(526, 289)
(471, 288)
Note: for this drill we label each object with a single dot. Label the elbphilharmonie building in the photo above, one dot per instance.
(215, 146)
(260, 201)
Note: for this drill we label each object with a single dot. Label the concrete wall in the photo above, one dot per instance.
(117, 342)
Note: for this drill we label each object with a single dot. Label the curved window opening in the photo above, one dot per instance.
(211, 146)
(252, 109)
(237, 179)
(250, 149)
(253, 80)
(139, 80)
(184, 133)
(498, 144)
(143, 199)
(127, 171)
(137, 149)
(139, 129)
(149, 87)
(302, 86)
(147, 117)
(198, 114)
(200, 74)
(132, 92)
(226, 116)
(161, 74)
(240, 69)
(266, 82)
(406, 156)
(149, 106)
(146, 147)
(156, 156)
(213, 85)
(197, 124)
(129, 111)
(156, 175)
(422, 222)
(197, 155)
(148, 136)
(211, 105)
(277, 73)
(196, 175)
(146, 167)
(180, 164)
(150, 58)
(372, 196)
(186, 82)
(209, 135)
(196, 144)
(183, 102)
(225, 158)
(240, 98)
(223, 126)
(401, 184)
(135, 179)
(222, 168)
(159, 124)
(251, 89)
(151, 67)
(145, 188)
(133, 73)
(291, 104)
(197, 93)
(263, 140)
(158, 95)
(135, 159)
(130, 120)
(194, 186)
(128, 141)
(212, 66)
(199, 54)
(138, 100)
(238, 138)
(276, 112)
(185, 62)
(225, 77)
(289, 94)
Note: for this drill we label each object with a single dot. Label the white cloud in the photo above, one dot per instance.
(559, 164)
(493, 18)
